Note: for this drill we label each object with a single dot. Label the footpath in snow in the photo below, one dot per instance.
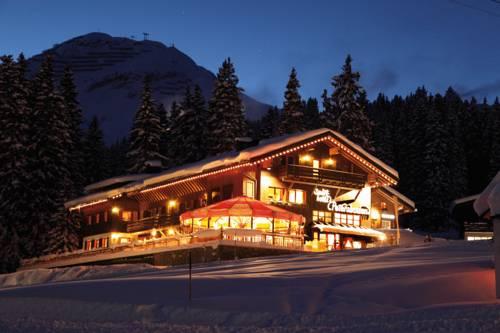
(447, 286)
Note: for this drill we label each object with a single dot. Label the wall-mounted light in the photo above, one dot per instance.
(305, 158)
(375, 215)
(115, 210)
(330, 162)
(172, 203)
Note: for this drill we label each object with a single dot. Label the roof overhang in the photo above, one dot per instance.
(266, 150)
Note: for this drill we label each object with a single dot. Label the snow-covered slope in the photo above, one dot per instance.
(444, 286)
(109, 74)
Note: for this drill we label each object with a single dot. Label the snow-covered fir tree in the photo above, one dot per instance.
(51, 179)
(164, 135)
(383, 134)
(75, 148)
(494, 139)
(328, 117)
(15, 172)
(311, 114)
(145, 134)
(293, 109)
(435, 184)
(351, 120)
(270, 123)
(455, 154)
(115, 157)
(188, 128)
(94, 153)
(226, 118)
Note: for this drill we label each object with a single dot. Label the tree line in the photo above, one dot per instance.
(443, 146)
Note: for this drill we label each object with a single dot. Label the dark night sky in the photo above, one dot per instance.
(397, 45)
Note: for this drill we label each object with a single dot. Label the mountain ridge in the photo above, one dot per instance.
(109, 74)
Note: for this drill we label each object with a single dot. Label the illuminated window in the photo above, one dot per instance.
(88, 245)
(276, 194)
(215, 194)
(248, 188)
(296, 196)
(127, 215)
(104, 242)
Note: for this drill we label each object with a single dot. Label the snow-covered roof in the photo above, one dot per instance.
(489, 199)
(220, 161)
(400, 196)
(460, 201)
(115, 180)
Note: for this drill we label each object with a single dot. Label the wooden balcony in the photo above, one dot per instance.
(158, 221)
(312, 175)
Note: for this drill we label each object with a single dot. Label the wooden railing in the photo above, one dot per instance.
(318, 175)
(156, 221)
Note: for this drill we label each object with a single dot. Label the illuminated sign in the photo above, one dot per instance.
(324, 196)
(386, 216)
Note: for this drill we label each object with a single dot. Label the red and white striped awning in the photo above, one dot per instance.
(242, 206)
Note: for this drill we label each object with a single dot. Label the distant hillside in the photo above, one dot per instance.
(109, 72)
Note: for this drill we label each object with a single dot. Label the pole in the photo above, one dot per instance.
(190, 274)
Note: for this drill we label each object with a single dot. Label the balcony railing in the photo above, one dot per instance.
(325, 176)
(157, 221)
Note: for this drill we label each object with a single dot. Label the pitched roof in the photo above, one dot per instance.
(266, 149)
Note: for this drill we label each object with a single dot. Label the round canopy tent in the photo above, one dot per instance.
(242, 207)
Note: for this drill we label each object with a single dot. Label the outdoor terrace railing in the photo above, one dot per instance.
(319, 175)
(156, 221)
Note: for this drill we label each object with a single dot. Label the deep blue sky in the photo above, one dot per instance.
(396, 44)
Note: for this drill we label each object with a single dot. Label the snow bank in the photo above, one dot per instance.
(440, 286)
(43, 275)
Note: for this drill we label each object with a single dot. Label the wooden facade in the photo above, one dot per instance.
(319, 174)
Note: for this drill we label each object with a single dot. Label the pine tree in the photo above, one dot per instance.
(381, 115)
(311, 114)
(94, 153)
(74, 114)
(9, 248)
(293, 109)
(455, 154)
(145, 134)
(352, 120)
(329, 116)
(188, 128)
(494, 139)
(115, 155)
(225, 119)
(51, 179)
(15, 187)
(164, 135)
(270, 124)
(435, 185)
(168, 135)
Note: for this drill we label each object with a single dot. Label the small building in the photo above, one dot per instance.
(472, 226)
(344, 195)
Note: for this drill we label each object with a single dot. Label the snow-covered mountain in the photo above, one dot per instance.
(109, 74)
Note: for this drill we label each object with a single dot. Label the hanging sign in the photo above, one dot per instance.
(323, 195)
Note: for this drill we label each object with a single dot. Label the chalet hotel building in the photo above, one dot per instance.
(315, 190)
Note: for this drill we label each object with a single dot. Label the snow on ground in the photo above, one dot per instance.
(441, 286)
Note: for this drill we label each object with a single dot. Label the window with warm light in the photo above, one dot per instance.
(276, 194)
(249, 188)
(296, 196)
(127, 215)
